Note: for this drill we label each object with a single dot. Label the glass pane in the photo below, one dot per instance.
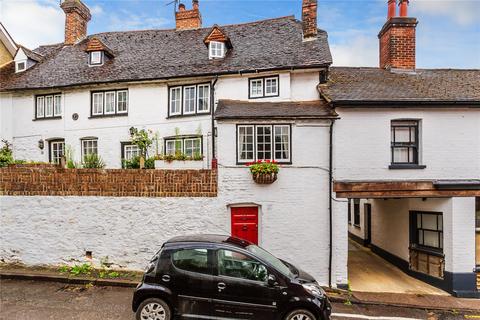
(256, 88)
(110, 102)
(420, 237)
(189, 100)
(40, 106)
(431, 239)
(203, 98)
(264, 146)
(122, 101)
(402, 134)
(282, 143)
(400, 155)
(429, 221)
(245, 143)
(175, 100)
(237, 265)
(97, 103)
(440, 223)
(58, 105)
(193, 260)
(48, 106)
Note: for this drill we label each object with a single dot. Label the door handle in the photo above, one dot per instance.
(166, 278)
(221, 286)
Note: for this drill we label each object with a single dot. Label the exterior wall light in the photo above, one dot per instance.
(41, 144)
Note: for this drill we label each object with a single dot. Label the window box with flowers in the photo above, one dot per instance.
(264, 171)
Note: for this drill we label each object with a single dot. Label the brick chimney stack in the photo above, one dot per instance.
(77, 16)
(188, 19)
(309, 19)
(397, 39)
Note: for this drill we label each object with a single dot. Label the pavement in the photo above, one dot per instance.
(43, 300)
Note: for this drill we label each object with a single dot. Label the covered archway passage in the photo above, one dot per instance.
(423, 229)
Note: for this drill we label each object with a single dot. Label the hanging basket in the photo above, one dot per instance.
(265, 178)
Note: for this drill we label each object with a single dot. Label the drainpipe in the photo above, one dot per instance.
(330, 208)
(212, 105)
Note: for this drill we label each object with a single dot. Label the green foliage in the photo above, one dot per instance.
(93, 161)
(64, 269)
(6, 154)
(134, 163)
(70, 163)
(77, 270)
(142, 139)
(263, 167)
(179, 156)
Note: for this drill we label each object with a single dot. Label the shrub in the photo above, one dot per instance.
(93, 161)
(134, 163)
(263, 167)
(6, 154)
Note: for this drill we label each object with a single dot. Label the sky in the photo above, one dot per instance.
(448, 33)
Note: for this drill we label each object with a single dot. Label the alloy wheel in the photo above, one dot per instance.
(153, 311)
(301, 316)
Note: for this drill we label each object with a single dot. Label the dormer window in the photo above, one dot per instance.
(96, 58)
(21, 66)
(217, 49)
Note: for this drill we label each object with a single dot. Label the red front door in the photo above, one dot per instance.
(245, 223)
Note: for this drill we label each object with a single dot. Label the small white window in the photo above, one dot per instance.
(245, 144)
(49, 106)
(96, 57)
(57, 105)
(189, 100)
(110, 102)
(271, 86)
(203, 98)
(173, 147)
(40, 112)
(97, 105)
(122, 101)
(175, 101)
(192, 147)
(256, 88)
(89, 146)
(20, 66)
(130, 151)
(217, 49)
(282, 143)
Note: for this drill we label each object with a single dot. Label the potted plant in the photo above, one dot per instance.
(264, 171)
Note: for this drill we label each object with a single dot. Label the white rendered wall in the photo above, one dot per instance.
(6, 116)
(450, 144)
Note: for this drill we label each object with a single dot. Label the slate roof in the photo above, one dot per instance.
(377, 86)
(162, 54)
(235, 109)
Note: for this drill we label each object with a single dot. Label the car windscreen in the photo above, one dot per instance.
(271, 259)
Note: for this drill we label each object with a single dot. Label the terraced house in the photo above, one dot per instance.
(389, 155)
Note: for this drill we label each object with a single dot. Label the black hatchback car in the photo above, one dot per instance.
(225, 278)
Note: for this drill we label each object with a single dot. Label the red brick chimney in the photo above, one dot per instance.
(397, 39)
(309, 19)
(188, 19)
(77, 16)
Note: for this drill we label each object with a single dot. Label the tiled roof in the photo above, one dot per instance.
(366, 85)
(234, 109)
(162, 54)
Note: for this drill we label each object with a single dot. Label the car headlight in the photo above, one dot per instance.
(314, 289)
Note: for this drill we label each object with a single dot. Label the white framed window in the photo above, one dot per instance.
(49, 106)
(256, 88)
(130, 151)
(271, 86)
(189, 99)
(122, 101)
(245, 143)
(203, 98)
(40, 107)
(89, 146)
(192, 147)
(110, 102)
(57, 109)
(173, 146)
(216, 49)
(97, 103)
(57, 150)
(263, 142)
(264, 87)
(96, 58)
(175, 107)
(20, 66)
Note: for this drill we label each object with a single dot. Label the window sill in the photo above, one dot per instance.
(430, 251)
(264, 97)
(406, 166)
(108, 115)
(47, 118)
(189, 115)
(357, 226)
(240, 164)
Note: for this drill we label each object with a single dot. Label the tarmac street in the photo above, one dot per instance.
(38, 300)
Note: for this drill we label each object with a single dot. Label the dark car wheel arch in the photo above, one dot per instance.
(158, 295)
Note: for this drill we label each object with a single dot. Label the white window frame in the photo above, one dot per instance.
(192, 139)
(206, 98)
(289, 143)
(129, 153)
(106, 102)
(52, 149)
(216, 49)
(94, 109)
(178, 108)
(192, 99)
(118, 101)
(271, 94)
(95, 58)
(174, 141)
(86, 141)
(18, 64)
(42, 113)
(57, 105)
(48, 106)
(239, 144)
(256, 95)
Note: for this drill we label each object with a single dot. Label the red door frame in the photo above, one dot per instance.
(244, 223)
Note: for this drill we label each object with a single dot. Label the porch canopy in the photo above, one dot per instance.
(407, 188)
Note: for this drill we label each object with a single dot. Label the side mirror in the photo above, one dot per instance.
(271, 280)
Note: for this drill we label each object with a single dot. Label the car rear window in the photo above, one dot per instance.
(193, 260)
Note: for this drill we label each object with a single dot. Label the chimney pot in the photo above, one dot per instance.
(309, 19)
(392, 8)
(195, 4)
(77, 16)
(403, 8)
(181, 7)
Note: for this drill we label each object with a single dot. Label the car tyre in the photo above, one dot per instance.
(300, 314)
(153, 309)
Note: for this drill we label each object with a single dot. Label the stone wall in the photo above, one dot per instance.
(50, 180)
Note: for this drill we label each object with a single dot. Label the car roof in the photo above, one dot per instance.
(210, 238)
